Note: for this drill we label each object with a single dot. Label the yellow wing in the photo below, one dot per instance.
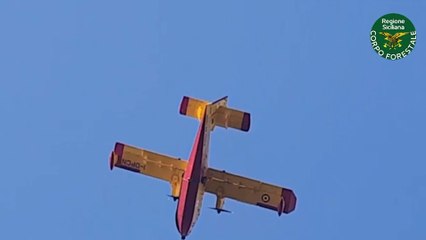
(149, 163)
(227, 185)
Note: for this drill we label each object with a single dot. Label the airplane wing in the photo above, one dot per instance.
(149, 163)
(227, 185)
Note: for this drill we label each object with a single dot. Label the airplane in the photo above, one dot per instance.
(189, 180)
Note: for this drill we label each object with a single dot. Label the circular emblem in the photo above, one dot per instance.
(393, 36)
(265, 198)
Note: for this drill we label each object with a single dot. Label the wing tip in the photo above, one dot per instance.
(289, 200)
(116, 154)
(245, 124)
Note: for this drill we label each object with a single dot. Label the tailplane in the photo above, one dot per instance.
(193, 107)
(222, 115)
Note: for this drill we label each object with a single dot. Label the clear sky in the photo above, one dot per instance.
(331, 119)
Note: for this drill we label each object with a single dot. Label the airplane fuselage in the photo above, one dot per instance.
(192, 188)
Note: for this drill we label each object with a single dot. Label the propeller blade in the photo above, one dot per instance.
(219, 210)
(174, 198)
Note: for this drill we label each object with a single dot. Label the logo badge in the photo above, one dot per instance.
(393, 36)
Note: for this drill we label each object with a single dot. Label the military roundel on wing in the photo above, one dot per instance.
(265, 198)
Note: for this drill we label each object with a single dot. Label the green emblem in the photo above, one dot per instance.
(393, 36)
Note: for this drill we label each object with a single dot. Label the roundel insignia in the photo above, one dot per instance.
(266, 198)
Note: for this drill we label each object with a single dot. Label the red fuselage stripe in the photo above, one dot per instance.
(190, 184)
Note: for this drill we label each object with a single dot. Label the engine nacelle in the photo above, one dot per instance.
(220, 201)
(175, 185)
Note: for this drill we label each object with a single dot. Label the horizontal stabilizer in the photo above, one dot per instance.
(231, 118)
(193, 107)
(221, 115)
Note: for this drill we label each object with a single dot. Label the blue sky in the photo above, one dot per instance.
(331, 119)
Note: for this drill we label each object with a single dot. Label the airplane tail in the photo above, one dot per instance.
(193, 107)
(222, 116)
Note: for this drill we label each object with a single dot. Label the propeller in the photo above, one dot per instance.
(173, 197)
(219, 210)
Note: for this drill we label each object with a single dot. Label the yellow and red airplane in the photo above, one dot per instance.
(189, 180)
